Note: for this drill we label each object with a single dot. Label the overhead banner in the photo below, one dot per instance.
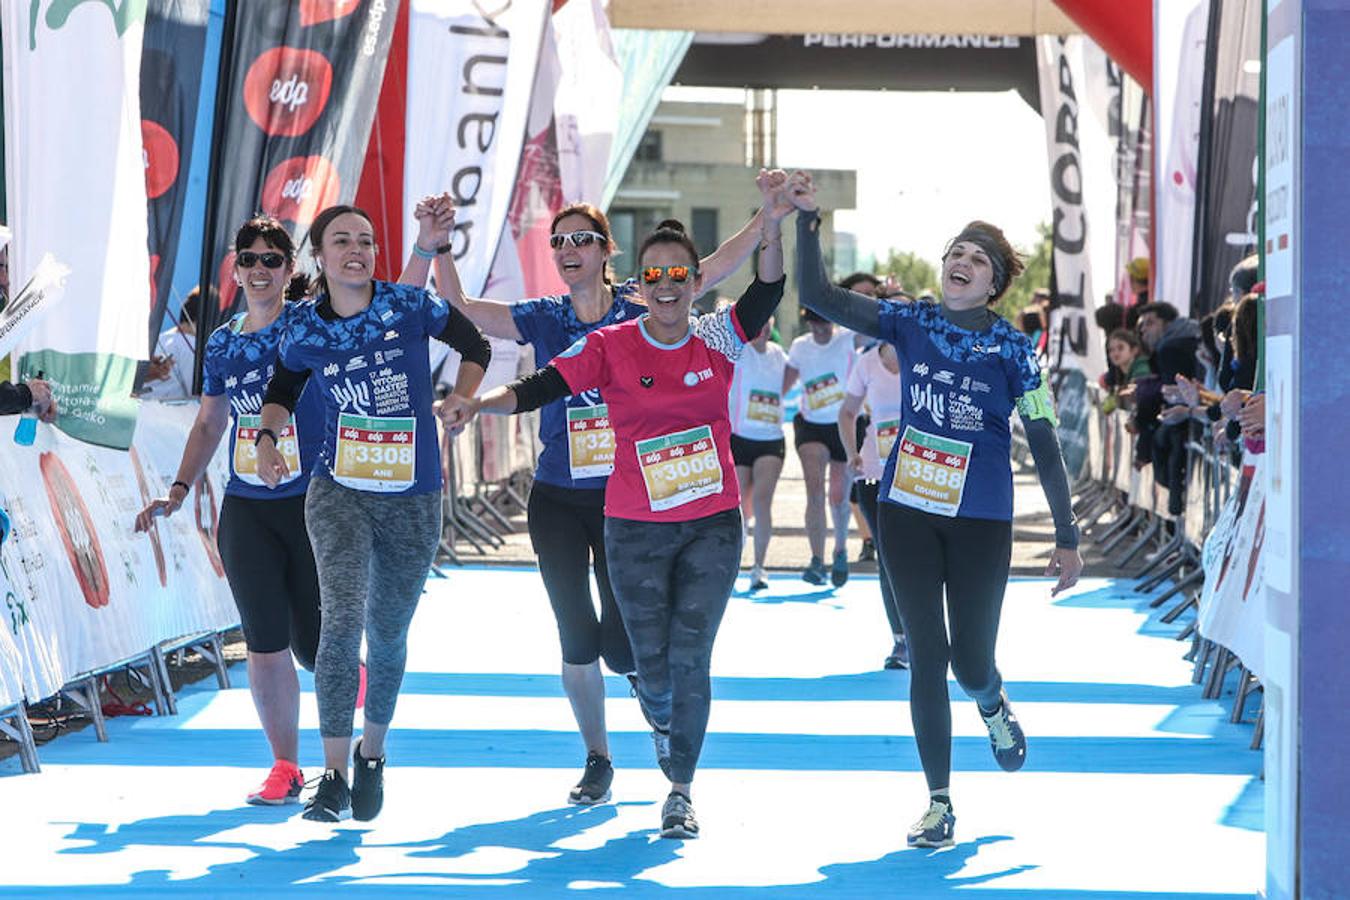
(302, 83)
(84, 590)
(171, 79)
(75, 182)
(470, 74)
(1082, 194)
(1233, 602)
(1227, 216)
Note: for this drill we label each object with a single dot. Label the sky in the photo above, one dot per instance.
(927, 162)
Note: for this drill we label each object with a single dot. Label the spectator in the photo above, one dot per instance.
(1139, 270)
(1128, 364)
(34, 394)
(1172, 341)
(1244, 340)
(170, 374)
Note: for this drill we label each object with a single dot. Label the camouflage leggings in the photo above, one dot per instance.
(672, 581)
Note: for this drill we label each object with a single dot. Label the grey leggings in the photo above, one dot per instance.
(373, 552)
(672, 581)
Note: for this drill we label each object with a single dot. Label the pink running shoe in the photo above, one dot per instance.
(282, 785)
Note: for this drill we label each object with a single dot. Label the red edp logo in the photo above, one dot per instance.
(286, 90)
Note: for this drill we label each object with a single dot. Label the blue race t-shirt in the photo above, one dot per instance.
(239, 364)
(578, 441)
(373, 373)
(951, 456)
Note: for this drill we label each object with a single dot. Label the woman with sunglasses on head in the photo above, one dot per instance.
(374, 502)
(945, 516)
(672, 505)
(566, 505)
(263, 543)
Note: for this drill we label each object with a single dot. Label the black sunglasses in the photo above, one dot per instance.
(247, 259)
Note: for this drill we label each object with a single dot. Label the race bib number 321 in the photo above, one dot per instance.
(590, 441)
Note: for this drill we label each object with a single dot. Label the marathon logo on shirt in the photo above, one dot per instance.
(351, 396)
(964, 415)
(247, 404)
(929, 401)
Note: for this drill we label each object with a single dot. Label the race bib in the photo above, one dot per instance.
(823, 391)
(887, 432)
(590, 441)
(679, 468)
(376, 453)
(245, 461)
(930, 472)
(764, 406)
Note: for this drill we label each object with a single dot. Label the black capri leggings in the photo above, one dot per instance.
(567, 529)
(867, 502)
(969, 557)
(268, 561)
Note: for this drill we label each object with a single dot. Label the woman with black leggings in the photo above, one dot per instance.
(566, 505)
(945, 516)
(672, 506)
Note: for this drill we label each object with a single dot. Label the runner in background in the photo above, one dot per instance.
(263, 543)
(373, 508)
(944, 520)
(757, 443)
(822, 358)
(875, 382)
(566, 505)
(672, 507)
(869, 285)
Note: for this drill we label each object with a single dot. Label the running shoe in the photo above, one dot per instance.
(660, 733)
(839, 571)
(330, 800)
(1005, 736)
(758, 579)
(282, 785)
(367, 785)
(936, 828)
(899, 658)
(677, 818)
(815, 573)
(868, 552)
(595, 781)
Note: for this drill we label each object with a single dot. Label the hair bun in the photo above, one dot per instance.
(671, 225)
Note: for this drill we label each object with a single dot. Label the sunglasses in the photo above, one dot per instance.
(247, 259)
(576, 239)
(677, 274)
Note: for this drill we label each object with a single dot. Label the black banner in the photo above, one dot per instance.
(171, 78)
(904, 62)
(299, 84)
(1225, 220)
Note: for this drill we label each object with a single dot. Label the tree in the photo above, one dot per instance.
(1036, 275)
(914, 273)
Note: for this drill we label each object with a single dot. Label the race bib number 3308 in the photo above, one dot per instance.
(376, 453)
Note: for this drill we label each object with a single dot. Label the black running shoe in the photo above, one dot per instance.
(330, 800)
(367, 785)
(677, 818)
(660, 733)
(595, 781)
(868, 552)
(899, 658)
(839, 571)
(1005, 736)
(936, 828)
(815, 573)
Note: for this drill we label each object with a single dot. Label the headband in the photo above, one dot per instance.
(991, 249)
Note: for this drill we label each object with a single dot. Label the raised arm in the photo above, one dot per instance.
(764, 224)
(436, 219)
(814, 289)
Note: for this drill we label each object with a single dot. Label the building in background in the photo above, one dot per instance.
(691, 165)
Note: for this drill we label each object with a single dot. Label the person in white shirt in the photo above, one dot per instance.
(757, 443)
(822, 358)
(875, 382)
(170, 373)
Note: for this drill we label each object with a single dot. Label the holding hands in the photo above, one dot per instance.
(435, 217)
(772, 184)
(802, 191)
(455, 412)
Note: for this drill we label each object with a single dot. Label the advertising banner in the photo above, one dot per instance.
(1232, 604)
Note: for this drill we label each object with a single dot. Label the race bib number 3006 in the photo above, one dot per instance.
(679, 468)
(930, 472)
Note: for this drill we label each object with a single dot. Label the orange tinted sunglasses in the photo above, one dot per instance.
(677, 274)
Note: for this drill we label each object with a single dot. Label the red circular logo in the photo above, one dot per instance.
(297, 189)
(78, 533)
(286, 89)
(312, 12)
(159, 152)
(225, 278)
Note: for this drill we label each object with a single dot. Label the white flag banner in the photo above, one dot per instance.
(75, 184)
(34, 302)
(589, 95)
(1233, 601)
(469, 80)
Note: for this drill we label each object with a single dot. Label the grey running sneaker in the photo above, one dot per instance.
(677, 818)
(816, 572)
(330, 800)
(936, 828)
(899, 658)
(595, 781)
(1005, 736)
(758, 579)
(367, 785)
(660, 733)
(839, 571)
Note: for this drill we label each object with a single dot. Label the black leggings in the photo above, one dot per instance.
(265, 550)
(969, 557)
(567, 529)
(867, 502)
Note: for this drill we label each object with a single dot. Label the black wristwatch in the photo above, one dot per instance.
(182, 484)
(265, 432)
(444, 248)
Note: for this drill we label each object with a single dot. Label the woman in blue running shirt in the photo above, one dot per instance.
(945, 516)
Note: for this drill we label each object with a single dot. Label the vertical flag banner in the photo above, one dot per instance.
(648, 60)
(380, 191)
(171, 77)
(1083, 200)
(302, 80)
(79, 151)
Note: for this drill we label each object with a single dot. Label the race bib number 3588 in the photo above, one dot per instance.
(930, 472)
(679, 468)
